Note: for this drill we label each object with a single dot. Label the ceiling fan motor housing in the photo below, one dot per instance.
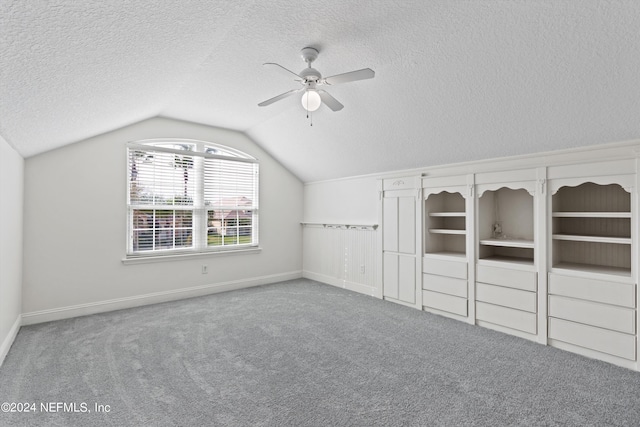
(310, 74)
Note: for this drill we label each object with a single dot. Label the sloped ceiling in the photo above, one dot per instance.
(455, 80)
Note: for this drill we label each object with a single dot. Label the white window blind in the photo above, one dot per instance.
(190, 196)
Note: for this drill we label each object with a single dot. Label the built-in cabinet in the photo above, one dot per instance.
(506, 285)
(592, 280)
(400, 239)
(547, 253)
(445, 266)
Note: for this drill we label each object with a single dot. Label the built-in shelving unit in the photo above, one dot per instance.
(445, 264)
(506, 279)
(592, 294)
(546, 253)
(445, 218)
(506, 226)
(592, 228)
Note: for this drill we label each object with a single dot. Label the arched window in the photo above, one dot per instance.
(190, 196)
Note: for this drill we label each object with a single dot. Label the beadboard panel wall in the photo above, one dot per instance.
(342, 255)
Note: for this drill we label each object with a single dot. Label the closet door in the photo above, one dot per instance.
(399, 241)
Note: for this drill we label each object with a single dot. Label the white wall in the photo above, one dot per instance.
(348, 201)
(11, 202)
(75, 228)
(347, 258)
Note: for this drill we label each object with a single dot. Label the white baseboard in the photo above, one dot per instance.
(153, 298)
(352, 286)
(8, 340)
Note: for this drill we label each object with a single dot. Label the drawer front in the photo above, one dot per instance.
(403, 183)
(506, 297)
(591, 313)
(517, 279)
(514, 319)
(603, 340)
(593, 290)
(443, 302)
(440, 267)
(445, 285)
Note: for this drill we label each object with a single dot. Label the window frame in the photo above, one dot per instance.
(201, 150)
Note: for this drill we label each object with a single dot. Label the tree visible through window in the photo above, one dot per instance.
(190, 196)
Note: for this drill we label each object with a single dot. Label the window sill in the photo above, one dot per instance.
(181, 257)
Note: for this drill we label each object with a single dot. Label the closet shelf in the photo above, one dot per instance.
(593, 239)
(508, 243)
(446, 231)
(591, 214)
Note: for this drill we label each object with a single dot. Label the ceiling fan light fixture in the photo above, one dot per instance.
(311, 100)
(310, 79)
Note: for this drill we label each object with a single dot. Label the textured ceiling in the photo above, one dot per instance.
(455, 80)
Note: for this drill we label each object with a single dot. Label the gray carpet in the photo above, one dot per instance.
(301, 353)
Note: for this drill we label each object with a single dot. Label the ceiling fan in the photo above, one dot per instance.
(311, 80)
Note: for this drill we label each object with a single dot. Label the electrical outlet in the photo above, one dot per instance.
(205, 269)
(362, 269)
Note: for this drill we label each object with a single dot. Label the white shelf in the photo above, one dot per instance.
(593, 239)
(446, 254)
(448, 214)
(588, 268)
(592, 214)
(499, 261)
(446, 231)
(508, 243)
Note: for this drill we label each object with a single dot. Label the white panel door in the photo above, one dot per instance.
(399, 245)
(390, 269)
(406, 225)
(407, 279)
(390, 224)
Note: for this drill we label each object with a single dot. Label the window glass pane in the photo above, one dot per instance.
(229, 227)
(143, 230)
(158, 178)
(156, 229)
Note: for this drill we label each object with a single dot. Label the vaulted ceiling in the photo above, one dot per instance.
(455, 80)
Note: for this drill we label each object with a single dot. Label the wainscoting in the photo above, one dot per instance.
(343, 256)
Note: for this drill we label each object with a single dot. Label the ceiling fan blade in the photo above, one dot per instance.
(282, 70)
(365, 73)
(330, 101)
(279, 97)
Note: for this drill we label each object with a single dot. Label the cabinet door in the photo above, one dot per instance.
(390, 270)
(399, 277)
(390, 224)
(399, 245)
(407, 225)
(399, 224)
(407, 279)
